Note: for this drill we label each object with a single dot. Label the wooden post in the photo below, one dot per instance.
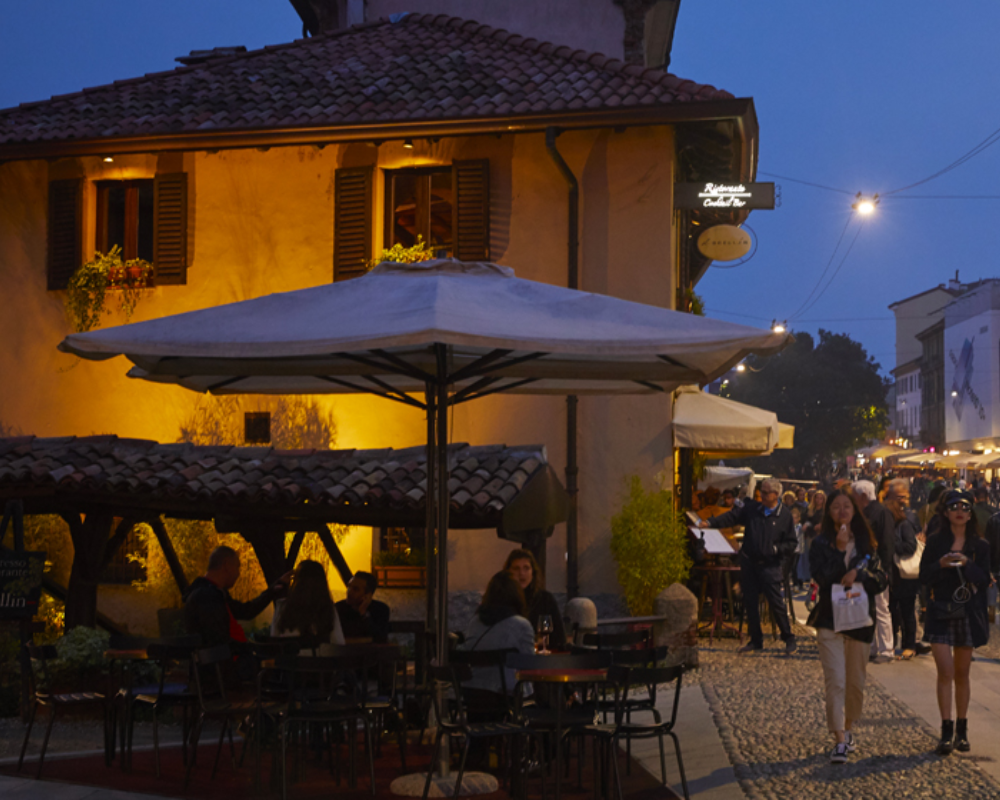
(90, 536)
(335, 555)
(160, 531)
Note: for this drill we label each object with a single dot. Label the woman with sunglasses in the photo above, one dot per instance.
(955, 568)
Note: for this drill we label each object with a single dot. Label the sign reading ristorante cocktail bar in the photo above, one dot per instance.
(729, 196)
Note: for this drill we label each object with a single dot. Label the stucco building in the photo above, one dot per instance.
(241, 174)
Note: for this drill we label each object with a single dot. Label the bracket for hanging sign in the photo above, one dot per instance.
(726, 196)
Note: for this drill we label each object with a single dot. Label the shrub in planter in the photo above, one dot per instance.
(88, 287)
(649, 540)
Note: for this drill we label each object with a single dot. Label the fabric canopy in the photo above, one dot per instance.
(552, 339)
(725, 428)
(728, 478)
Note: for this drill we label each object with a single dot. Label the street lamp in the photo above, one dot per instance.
(778, 327)
(864, 205)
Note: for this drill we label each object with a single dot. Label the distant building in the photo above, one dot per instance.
(971, 368)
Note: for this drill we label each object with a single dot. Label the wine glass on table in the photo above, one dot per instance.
(544, 629)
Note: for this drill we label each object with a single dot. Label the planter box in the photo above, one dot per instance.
(401, 577)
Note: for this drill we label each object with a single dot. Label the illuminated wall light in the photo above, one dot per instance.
(741, 368)
(408, 144)
(108, 160)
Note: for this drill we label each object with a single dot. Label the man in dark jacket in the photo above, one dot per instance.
(883, 525)
(210, 612)
(768, 539)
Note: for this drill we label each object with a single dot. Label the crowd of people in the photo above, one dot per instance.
(882, 558)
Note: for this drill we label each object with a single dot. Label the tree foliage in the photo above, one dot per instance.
(650, 543)
(831, 391)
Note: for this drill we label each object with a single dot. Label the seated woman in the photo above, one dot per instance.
(524, 569)
(498, 624)
(308, 610)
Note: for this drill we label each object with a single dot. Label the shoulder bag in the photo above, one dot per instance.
(909, 566)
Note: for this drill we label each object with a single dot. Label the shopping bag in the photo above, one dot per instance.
(850, 607)
(909, 567)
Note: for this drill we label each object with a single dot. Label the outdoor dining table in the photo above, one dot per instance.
(560, 676)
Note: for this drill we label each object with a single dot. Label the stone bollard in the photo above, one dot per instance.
(679, 631)
(580, 618)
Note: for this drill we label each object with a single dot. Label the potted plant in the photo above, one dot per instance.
(398, 569)
(404, 255)
(86, 293)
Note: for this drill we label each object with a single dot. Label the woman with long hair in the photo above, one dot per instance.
(523, 568)
(308, 610)
(955, 568)
(845, 552)
(498, 624)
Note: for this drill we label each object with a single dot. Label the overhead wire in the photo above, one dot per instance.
(861, 225)
(826, 269)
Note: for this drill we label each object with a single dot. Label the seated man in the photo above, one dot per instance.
(209, 610)
(361, 616)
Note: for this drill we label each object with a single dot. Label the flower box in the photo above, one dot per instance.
(401, 577)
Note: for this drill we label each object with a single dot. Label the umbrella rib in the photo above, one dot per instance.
(402, 369)
(398, 397)
(652, 386)
(226, 382)
(404, 365)
(673, 361)
(505, 388)
(471, 369)
(482, 383)
(391, 390)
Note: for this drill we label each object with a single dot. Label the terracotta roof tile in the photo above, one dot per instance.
(363, 75)
(113, 471)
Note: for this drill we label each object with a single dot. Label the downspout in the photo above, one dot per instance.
(573, 281)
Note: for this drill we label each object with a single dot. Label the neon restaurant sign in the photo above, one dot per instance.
(733, 196)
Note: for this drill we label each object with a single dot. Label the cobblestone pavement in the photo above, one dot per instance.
(771, 716)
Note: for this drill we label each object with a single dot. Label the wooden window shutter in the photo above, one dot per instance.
(65, 240)
(471, 180)
(170, 228)
(352, 222)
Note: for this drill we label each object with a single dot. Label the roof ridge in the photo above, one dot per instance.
(653, 75)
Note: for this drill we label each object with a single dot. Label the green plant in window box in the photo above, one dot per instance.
(404, 255)
(415, 557)
(86, 293)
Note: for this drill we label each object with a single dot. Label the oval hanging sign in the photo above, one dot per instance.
(724, 243)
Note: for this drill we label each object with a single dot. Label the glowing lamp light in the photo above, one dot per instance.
(778, 327)
(741, 367)
(408, 144)
(954, 393)
(108, 160)
(865, 205)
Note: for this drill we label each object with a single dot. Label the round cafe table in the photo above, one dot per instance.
(563, 676)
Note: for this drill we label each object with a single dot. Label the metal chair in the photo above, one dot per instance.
(43, 696)
(623, 677)
(453, 721)
(618, 641)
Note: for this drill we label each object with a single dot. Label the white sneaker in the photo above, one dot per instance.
(839, 754)
(850, 741)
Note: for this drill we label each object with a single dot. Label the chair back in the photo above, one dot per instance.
(649, 676)
(484, 659)
(312, 643)
(643, 657)
(40, 654)
(455, 716)
(617, 641)
(209, 662)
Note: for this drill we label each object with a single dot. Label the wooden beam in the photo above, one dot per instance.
(160, 531)
(293, 550)
(335, 555)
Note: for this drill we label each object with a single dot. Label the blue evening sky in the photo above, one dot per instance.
(858, 95)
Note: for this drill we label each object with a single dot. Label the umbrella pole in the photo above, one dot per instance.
(430, 507)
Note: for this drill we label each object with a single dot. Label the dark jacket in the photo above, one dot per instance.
(941, 582)
(883, 525)
(992, 537)
(767, 539)
(826, 564)
(541, 603)
(906, 545)
(373, 624)
(205, 610)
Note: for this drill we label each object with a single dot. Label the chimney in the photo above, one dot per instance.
(201, 56)
(956, 284)
(325, 16)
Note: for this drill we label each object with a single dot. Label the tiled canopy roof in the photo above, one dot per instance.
(337, 485)
(418, 69)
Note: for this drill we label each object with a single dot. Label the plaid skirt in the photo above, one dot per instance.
(953, 632)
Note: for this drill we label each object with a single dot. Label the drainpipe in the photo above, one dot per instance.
(573, 281)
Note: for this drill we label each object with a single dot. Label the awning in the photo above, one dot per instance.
(724, 428)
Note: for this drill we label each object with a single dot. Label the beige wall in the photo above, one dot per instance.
(913, 316)
(262, 222)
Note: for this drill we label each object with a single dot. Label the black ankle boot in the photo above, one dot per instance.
(946, 745)
(962, 736)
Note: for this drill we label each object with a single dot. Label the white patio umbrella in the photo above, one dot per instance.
(723, 428)
(448, 330)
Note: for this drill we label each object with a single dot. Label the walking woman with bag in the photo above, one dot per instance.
(844, 562)
(955, 568)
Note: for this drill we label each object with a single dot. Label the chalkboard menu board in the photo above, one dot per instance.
(20, 584)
